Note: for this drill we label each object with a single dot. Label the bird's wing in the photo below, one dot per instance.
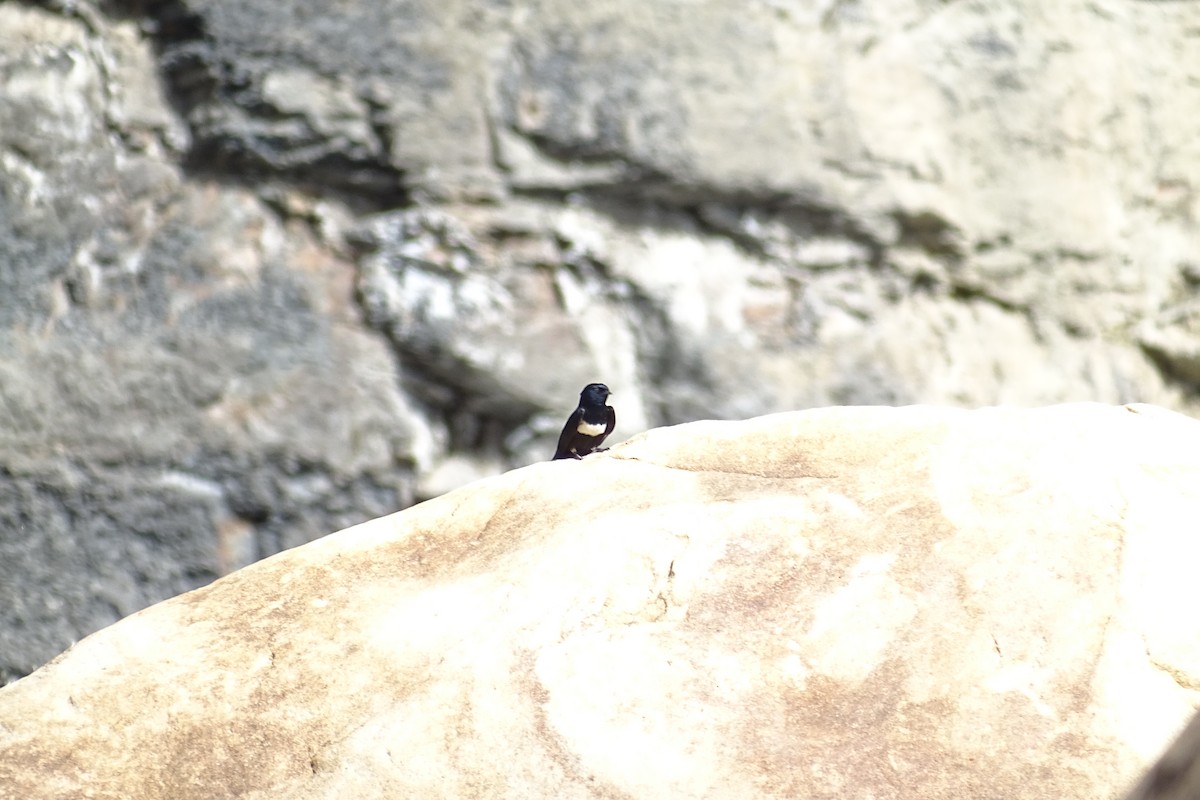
(568, 433)
(612, 420)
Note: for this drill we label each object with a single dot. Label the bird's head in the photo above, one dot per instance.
(594, 394)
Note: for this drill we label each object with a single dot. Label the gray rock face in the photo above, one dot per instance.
(185, 383)
(269, 268)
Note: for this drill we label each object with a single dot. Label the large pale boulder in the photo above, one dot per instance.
(870, 602)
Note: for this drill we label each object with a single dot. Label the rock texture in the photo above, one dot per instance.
(1175, 776)
(185, 381)
(852, 603)
(269, 268)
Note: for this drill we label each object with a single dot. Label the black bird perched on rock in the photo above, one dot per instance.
(591, 423)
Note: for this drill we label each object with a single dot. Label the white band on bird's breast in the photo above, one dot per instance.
(591, 429)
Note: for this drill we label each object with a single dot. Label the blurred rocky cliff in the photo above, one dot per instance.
(268, 269)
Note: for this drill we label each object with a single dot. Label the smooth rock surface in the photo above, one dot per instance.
(874, 602)
(269, 268)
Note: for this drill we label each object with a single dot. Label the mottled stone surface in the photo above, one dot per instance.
(887, 603)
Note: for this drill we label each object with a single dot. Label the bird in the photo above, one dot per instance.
(588, 425)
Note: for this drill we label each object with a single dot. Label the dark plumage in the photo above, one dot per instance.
(591, 423)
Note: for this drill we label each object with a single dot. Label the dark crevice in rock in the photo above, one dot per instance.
(238, 136)
(625, 182)
(801, 219)
(1181, 371)
(568, 153)
(636, 192)
(666, 205)
(968, 293)
(932, 234)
